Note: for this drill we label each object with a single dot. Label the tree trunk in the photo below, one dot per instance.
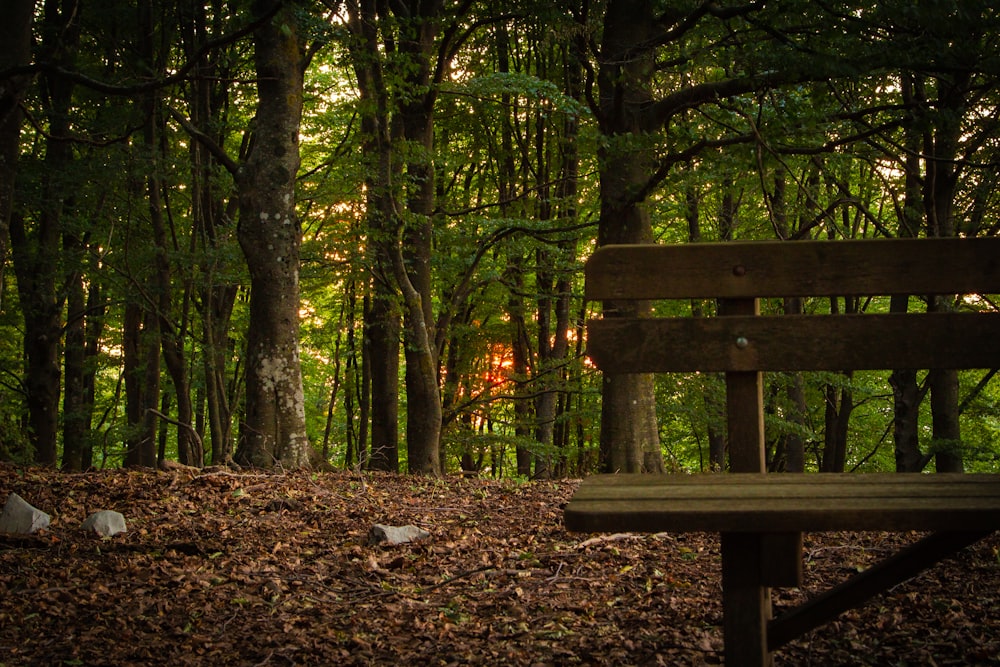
(84, 324)
(418, 35)
(715, 409)
(76, 415)
(521, 357)
(216, 311)
(514, 274)
(839, 406)
(274, 431)
(171, 333)
(141, 358)
(96, 308)
(37, 251)
(795, 456)
(423, 406)
(544, 381)
(629, 434)
(15, 50)
(941, 150)
(382, 317)
(382, 340)
(213, 210)
(906, 394)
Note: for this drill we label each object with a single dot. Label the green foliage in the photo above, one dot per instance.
(548, 95)
(818, 150)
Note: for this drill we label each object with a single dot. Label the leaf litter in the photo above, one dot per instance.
(274, 569)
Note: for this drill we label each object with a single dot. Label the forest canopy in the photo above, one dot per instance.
(311, 233)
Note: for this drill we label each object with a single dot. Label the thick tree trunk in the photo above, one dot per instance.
(423, 405)
(629, 435)
(274, 430)
(946, 429)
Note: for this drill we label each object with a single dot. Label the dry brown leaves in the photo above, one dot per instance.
(268, 569)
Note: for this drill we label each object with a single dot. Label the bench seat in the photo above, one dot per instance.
(754, 503)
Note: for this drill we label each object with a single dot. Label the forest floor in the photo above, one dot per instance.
(274, 569)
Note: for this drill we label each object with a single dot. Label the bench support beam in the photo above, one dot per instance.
(877, 579)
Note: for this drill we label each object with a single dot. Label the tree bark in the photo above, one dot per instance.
(36, 251)
(906, 394)
(15, 50)
(76, 412)
(521, 354)
(418, 36)
(382, 339)
(941, 150)
(141, 359)
(382, 317)
(794, 443)
(171, 333)
(274, 432)
(212, 210)
(629, 434)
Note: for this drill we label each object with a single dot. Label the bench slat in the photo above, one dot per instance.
(785, 503)
(795, 342)
(795, 268)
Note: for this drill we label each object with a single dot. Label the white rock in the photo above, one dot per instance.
(105, 523)
(392, 535)
(20, 517)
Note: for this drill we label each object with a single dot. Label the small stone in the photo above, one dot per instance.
(105, 523)
(393, 535)
(20, 517)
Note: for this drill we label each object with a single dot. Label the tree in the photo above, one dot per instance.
(274, 431)
(36, 238)
(15, 51)
(400, 94)
(208, 100)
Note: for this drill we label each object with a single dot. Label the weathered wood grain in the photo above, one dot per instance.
(785, 503)
(795, 342)
(795, 268)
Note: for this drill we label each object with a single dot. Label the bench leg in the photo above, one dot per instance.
(746, 601)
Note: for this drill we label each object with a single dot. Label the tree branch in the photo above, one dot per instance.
(215, 149)
(147, 86)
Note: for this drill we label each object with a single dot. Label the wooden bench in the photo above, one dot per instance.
(761, 516)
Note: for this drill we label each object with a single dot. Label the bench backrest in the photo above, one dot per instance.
(795, 269)
(743, 342)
